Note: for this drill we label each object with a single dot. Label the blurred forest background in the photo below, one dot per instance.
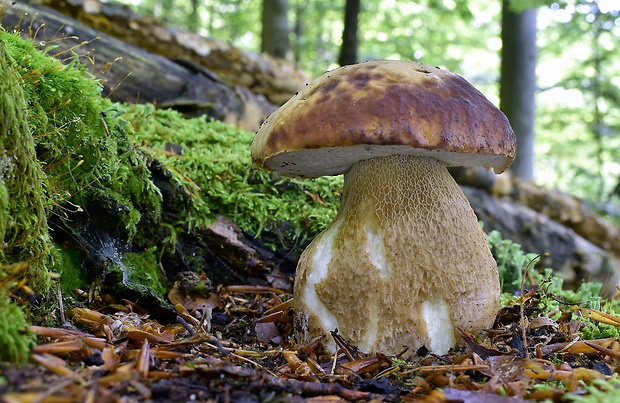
(552, 67)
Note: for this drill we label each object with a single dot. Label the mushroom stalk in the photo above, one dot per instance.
(404, 264)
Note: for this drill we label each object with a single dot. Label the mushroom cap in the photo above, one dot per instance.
(381, 108)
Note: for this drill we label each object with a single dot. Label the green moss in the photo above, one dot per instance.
(80, 139)
(511, 262)
(65, 117)
(554, 296)
(15, 338)
(83, 163)
(600, 390)
(65, 162)
(144, 268)
(24, 231)
(69, 267)
(23, 218)
(212, 161)
(594, 331)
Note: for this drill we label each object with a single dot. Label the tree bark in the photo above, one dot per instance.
(348, 50)
(275, 33)
(518, 82)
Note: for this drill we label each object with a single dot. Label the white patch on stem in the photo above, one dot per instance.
(439, 326)
(320, 265)
(375, 248)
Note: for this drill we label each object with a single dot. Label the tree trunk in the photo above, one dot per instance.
(298, 31)
(161, 8)
(274, 37)
(348, 50)
(194, 19)
(518, 82)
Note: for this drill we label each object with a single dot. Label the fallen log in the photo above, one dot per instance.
(129, 74)
(560, 207)
(276, 79)
(572, 256)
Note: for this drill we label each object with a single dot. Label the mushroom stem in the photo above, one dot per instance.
(404, 264)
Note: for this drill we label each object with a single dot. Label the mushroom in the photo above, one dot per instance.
(405, 263)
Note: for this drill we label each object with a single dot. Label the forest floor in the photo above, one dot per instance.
(236, 345)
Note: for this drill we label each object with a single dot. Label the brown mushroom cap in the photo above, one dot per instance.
(381, 108)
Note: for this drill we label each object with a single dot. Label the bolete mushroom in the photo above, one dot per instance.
(405, 263)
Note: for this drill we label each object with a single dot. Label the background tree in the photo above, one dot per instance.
(194, 19)
(518, 81)
(162, 7)
(348, 49)
(578, 137)
(275, 28)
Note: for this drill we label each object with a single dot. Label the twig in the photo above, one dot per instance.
(603, 350)
(444, 368)
(61, 306)
(335, 362)
(185, 325)
(251, 289)
(257, 365)
(521, 311)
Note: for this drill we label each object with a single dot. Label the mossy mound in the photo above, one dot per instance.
(109, 196)
(23, 217)
(212, 161)
(91, 184)
(14, 337)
